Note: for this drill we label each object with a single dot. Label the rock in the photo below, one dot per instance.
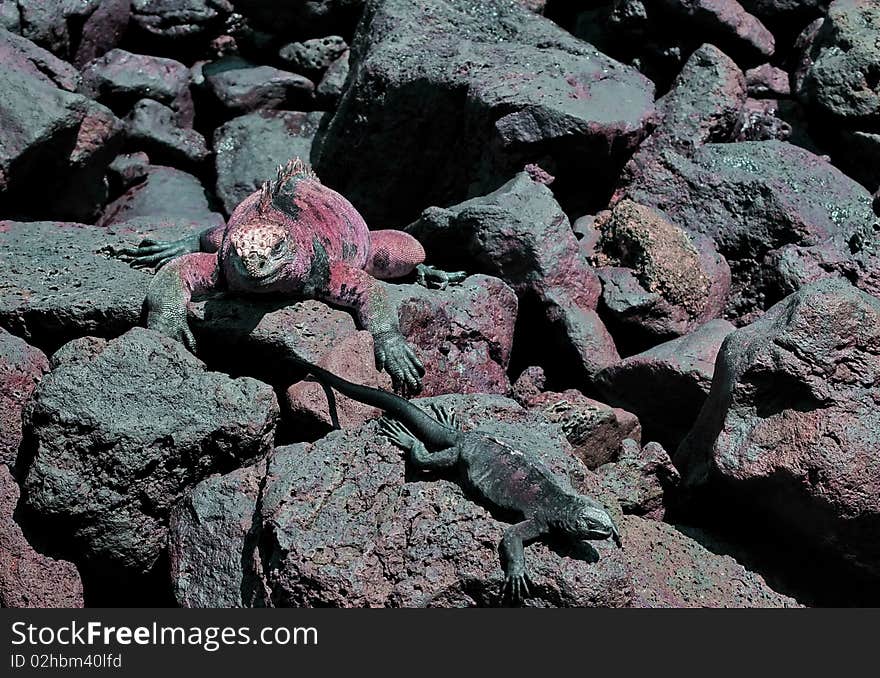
(10, 17)
(58, 285)
(54, 25)
(22, 55)
(666, 386)
(250, 148)
(329, 90)
(764, 204)
(858, 154)
(640, 478)
(151, 127)
(57, 144)
(520, 234)
(761, 120)
(767, 81)
(120, 79)
(21, 368)
(670, 282)
(463, 335)
(791, 427)
(313, 57)
(529, 384)
(118, 430)
(237, 86)
(306, 19)
(594, 430)
(212, 542)
(166, 193)
(178, 24)
(803, 53)
(27, 578)
(126, 170)
(102, 31)
(447, 100)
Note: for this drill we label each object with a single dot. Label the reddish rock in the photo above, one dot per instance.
(761, 120)
(641, 478)
(20, 54)
(767, 81)
(103, 30)
(21, 368)
(27, 578)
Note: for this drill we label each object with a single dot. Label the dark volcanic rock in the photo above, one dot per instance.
(329, 90)
(20, 54)
(238, 87)
(59, 286)
(767, 81)
(780, 215)
(166, 193)
(152, 127)
(667, 385)
(119, 430)
(174, 24)
(55, 143)
(303, 18)
(126, 170)
(761, 120)
(447, 100)
(27, 578)
(119, 79)
(103, 30)
(313, 57)
(212, 542)
(791, 428)
(21, 368)
(520, 234)
(54, 25)
(640, 478)
(250, 148)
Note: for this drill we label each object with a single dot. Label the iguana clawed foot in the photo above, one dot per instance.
(428, 276)
(156, 253)
(397, 433)
(444, 415)
(516, 586)
(172, 326)
(397, 358)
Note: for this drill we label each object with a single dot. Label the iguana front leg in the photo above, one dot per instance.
(171, 290)
(419, 455)
(516, 579)
(156, 253)
(356, 289)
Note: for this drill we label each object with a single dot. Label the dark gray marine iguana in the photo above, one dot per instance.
(493, 471)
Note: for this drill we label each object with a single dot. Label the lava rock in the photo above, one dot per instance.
(22, 55)
(761, 120)
(120, 79)
(165, 193)
(239, 87)
(102, 30)
(664, 282)
(175, 25)
(21, 368)
(304, 19)
(54, 25)
(780, 215)
(329, 90)
(126, 170)
(250, 148)
(520, 234)
(218, 567)
(313, 57)
(119, 430)
(28, 578)
(667, 385)
(152, 127)
(447, 100)
(791, 428)
(767, 81)
(641, 478)
(59, 284)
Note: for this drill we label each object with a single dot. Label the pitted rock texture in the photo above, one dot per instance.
(119, 430)
(21, 368)
(28, 578)
(520, 234)
(313, 57)
(448, 99)
(250, 148)
(791, 427)
(640, 478)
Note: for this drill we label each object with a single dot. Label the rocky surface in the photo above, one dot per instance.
(151, 127)
(21, 368)
(238, 87)
(641, 478)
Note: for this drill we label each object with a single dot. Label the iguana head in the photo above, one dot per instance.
(261, 250)
(588, 519)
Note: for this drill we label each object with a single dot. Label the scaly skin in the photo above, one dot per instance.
(301, 239)
(492, 470)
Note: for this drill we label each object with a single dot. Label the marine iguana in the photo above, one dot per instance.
(493, 471)
(293, 236)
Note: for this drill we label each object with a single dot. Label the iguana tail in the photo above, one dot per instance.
(427, 429)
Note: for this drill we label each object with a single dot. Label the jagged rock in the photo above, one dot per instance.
(529, 384)
(657, 280)
(803, 54)
(56, 143)
(791, 428)
(250, 148)
(640, 478)
(305, 19)
(126, 170)
(166, 193)
(27, 578)
(219, 566)
(22, 55)
(59, 285)
(666, 386)
(767, 81)
(152, 127)
(102, 31)
(239, 87)
(761, 120)
(21, 368)
(54, 25)
(447, 100)
(120, 79)
(172, 24)
(780, 215)
(313, 57)
(329, 90)
(118, 430)
(520, 234)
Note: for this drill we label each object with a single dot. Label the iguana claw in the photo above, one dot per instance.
(428, 276)
(397, 358)
(516, 587)
(156, 253)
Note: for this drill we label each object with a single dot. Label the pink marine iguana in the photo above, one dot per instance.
(295, 237)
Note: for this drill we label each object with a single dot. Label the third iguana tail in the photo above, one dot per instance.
(434, 434)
